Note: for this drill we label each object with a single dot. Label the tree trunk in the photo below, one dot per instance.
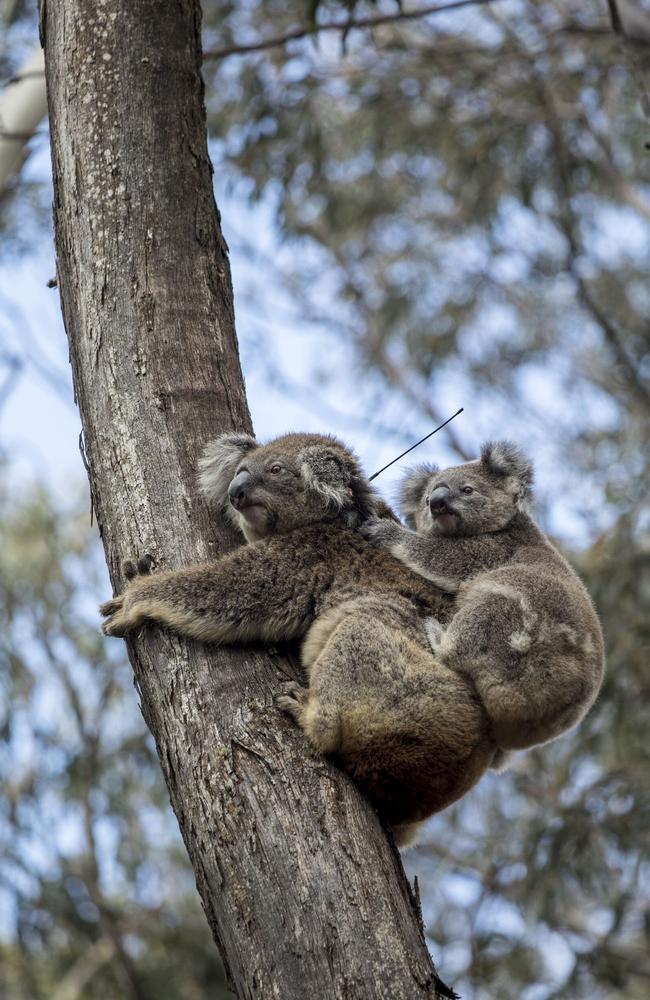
(302, 891)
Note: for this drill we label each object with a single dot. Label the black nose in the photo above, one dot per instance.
(439, 500)
(239, 488)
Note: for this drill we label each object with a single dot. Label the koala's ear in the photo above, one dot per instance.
(218, 463)
(366, 502)
(412, 489)
(503, 458)
(323, 471)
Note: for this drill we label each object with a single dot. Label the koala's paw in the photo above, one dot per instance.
(110, 607)
(293, 699)
(378, 530)
(122, 615)
(113, 611)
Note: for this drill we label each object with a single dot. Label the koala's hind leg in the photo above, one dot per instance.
(406, 835)
(491, 639)
(341, 650)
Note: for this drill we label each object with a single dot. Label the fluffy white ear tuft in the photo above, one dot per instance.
(218, 463)
(323, 472)
(412, 489)
(503, 458)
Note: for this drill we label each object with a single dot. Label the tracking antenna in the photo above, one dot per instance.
(374, 476)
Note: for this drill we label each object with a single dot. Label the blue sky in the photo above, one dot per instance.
(39, 424)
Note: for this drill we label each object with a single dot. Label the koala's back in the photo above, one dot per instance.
(410, 732)
(333, 564)
(545, 582)
(538, 613)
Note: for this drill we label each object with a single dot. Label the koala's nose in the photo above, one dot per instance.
(239, 489)
(439, 500)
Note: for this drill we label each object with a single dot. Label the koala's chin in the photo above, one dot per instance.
(446, 524)
(254, 522)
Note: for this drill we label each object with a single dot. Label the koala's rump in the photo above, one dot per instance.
(417, 747)
(412, 734)
(530, 637)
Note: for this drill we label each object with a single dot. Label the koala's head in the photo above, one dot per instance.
(293, 481)
(469, 499)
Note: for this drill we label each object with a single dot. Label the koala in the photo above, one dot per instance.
(411, 732)
(524, 630)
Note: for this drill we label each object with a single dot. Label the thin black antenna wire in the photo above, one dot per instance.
(374, 476)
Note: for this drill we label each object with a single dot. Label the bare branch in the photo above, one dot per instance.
(631, 24)
(350, 24)
(629, 21)
(22, 106)
(615, 17)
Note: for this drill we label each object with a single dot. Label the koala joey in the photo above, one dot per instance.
(524, 630)
(411, 732)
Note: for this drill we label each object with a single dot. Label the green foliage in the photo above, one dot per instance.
(465, 201)
(96, 895)
(464, 204)
(552, 857)
(468, 201)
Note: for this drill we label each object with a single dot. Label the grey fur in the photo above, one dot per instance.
(525, 630)
(410, 731)
(412, 489)
(217, 467)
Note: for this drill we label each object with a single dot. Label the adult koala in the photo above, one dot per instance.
(410, 732)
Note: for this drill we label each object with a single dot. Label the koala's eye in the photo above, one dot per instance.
(276, 467)
(467, 489)
(426, 500)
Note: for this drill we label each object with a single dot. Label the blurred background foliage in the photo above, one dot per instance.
(460, 209)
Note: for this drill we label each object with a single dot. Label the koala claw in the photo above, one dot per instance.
(140, 567)
(114, 627)
(293, 700)
(373, 529)
(123, 620)
(109, 608)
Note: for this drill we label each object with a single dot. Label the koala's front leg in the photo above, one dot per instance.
(241, 598)
(418, 553)
(384, 532)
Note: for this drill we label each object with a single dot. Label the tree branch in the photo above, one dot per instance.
(350, 24)
(569, 226)
(630, 24)
(22, 106)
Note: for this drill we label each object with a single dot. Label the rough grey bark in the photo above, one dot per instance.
(301, 889)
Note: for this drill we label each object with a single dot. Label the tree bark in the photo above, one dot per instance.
(302, 891)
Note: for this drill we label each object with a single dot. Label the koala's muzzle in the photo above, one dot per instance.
(240, 489)
(439, 500)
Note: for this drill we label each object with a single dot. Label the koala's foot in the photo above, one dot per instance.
(406, 835)
(293, 700)
(435, 634)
